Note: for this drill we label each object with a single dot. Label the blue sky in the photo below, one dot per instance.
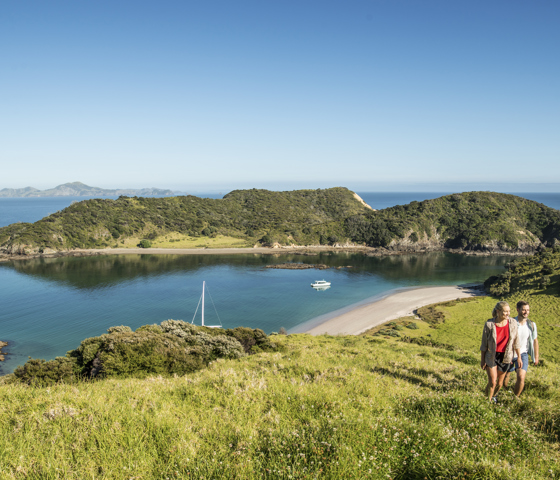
(216, 95)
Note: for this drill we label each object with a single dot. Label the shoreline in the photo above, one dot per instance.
(283, 250)
(2, 345)
(358, 318)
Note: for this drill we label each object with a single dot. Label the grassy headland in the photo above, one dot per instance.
(474, 221)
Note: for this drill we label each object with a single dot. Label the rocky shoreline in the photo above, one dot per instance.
(2, 345)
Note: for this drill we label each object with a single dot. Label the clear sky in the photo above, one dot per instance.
(215, 95)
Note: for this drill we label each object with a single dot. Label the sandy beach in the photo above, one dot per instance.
(397, 305)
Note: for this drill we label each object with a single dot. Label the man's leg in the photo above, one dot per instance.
(521, 372)
(520, 383)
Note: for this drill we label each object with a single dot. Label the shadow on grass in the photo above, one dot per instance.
(425, 378)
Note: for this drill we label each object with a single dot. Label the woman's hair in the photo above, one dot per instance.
(499, 308)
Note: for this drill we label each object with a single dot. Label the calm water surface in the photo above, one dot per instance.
(50, 305)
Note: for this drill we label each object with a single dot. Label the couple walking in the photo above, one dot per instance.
(506, 346)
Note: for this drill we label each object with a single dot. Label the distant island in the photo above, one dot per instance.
(79, 189)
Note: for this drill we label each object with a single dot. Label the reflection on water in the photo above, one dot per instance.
(107, 271)
(50, 305)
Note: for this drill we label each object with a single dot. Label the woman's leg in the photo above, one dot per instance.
(492, 373)
(500, 380)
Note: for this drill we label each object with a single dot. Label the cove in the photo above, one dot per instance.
(50, 305)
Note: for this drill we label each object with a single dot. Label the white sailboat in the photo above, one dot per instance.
(201, 300)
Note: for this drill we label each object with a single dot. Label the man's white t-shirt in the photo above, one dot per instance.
(523, 332)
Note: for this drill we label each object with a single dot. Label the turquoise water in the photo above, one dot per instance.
(50, 305)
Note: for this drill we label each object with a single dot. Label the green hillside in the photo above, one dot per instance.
(301, 216)
(469, 221)
(323, 407)
(483, 221)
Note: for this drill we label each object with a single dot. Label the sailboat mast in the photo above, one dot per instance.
(203, 283)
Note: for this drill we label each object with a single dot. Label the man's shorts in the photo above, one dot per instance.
(502, 367)
(524, 360)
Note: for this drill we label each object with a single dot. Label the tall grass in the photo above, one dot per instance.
(326, 407)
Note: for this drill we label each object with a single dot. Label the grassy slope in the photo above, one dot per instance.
(327, 407)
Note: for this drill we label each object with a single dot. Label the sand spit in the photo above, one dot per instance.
(394, 306)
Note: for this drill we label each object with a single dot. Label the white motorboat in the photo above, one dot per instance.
(320, 284)
(202, 301)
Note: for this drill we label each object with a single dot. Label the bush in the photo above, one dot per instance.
(43, 374)
(172, 348)
(145, 244)
(252, 340)
(120, 328)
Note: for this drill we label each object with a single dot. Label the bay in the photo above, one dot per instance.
(50, 305)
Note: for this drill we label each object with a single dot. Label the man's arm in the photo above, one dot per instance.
(536, 350)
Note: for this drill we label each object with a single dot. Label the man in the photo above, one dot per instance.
(527, 331)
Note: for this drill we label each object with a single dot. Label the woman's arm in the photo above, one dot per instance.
(483, 360)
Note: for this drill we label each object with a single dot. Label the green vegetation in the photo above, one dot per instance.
(323, 407)
(286, 217)
(538, 272)
(172, 348)
(468, 221)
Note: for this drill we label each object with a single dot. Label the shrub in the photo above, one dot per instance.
(172, 348)
(43, 374)
(120, 328)
(145, 244)
(412, 326)
(250, 339)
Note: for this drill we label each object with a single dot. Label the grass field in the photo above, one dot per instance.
(177, 240)
(326, 407)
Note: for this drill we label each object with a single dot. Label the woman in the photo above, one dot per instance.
(499, 340)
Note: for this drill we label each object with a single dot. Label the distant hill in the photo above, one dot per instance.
(78, 189)
(473, 221)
